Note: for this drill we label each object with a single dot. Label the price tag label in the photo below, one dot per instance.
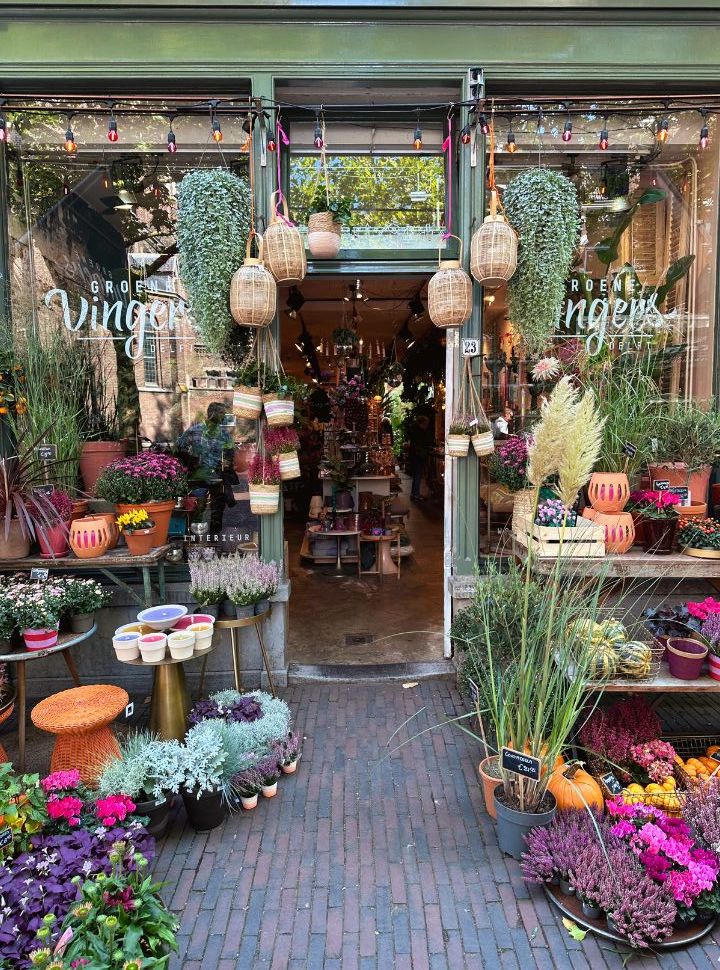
(46, 452)
(653, 445)
(470, 346)
(520, 764)
(611, 783)
(46, 490)
(662, 485)
(6, 837)
(629, 449)
(39, 575)
(716, 756)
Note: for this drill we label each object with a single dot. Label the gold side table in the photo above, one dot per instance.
(233, 626)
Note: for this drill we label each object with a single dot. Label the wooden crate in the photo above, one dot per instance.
(584, 540)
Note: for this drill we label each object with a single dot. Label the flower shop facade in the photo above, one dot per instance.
(478, 82)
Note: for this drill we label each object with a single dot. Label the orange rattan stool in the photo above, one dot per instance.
(4, 715)
(81, 718)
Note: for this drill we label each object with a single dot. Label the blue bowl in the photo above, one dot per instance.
(162, 617)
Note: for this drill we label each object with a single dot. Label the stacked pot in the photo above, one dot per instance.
(608, 493)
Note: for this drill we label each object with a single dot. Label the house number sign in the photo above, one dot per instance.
(470, 347)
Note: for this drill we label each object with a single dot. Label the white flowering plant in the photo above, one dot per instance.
(36, 610)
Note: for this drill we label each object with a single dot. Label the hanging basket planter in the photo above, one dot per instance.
(324, 234)
(283, 245)
(264, 499)
(493, 249)
(457, 445)
(289, 465)
(450, 293)
(279, 411)
(253, 291)
(247, 402)
(483, 443)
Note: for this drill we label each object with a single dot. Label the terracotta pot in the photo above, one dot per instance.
(619, 530)
(696, 510)
(140, 542)
(14, 545)
(112, 527)
(159, 512)
(489, 784)
(660, 535)
(89, 537)
(79, 509)
(608, 491)
(95, 456)
(676, 473)
(242, 457)
(53, 542)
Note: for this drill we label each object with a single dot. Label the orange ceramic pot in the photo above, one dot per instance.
(676, 473)
(140, 541)
(95, 456)
(696, 510)
(159, 512)
(89, 537)
(619, 530)
(609, 491)
(112, 527)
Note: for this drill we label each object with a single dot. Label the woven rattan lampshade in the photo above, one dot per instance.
(253, 291)
(493, 249)
(283, 248)
(450, 294)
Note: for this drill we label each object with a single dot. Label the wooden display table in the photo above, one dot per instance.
(233, 626)
(384, 563)
(663, 683)
(635, 564)
(338, 535)
(113, 560)
(21, 657)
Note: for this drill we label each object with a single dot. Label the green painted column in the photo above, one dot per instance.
(271, 526)
(470, 202)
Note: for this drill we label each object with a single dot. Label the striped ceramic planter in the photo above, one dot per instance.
(289, 465)
(264, 499)
(41, 639)
(279, 411)
(483, 443)
(247, 402)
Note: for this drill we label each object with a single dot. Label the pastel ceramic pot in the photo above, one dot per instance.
(41, 638)
(152, 647)
(139, 628)
(203, 636)
(714, 666)
(126, 646)
(187, 621)
(181, 644)
(686, 657)
(619, 530)
(162, 617)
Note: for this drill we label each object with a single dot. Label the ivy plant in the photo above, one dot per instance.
(212, 229)
(542, 206)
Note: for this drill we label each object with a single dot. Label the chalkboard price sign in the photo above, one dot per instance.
(716, 756)
(38, 575)
(6, 837)
(629, 449)
(46, 452)
(520, 764)
(46, 490)
(611, 783)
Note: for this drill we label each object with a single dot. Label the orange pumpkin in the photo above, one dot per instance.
(712, 749)
(559, 760)
(575, 788)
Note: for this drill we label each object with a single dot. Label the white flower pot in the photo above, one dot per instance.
(250, 802)
(291, 768)
(203, 636)
(269, 791)
(152, 647)
(126, 646)
(181, 645)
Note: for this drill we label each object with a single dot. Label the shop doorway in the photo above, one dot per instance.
(364, 522)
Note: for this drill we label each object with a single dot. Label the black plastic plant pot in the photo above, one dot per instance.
(513, 826)
(206, 812)
(157, 811)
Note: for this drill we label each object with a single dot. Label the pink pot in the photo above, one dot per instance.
(714, 665)
(40, 639)
(686, 657)
(53, 541)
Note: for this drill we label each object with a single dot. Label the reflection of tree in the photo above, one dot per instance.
(379, 187)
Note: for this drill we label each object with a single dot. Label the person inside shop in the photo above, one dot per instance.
(502, 425)
(421, 440)
(204, 442)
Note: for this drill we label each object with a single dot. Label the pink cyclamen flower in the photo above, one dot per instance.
(60, 780)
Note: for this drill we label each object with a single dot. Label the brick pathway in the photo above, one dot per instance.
(355, 865)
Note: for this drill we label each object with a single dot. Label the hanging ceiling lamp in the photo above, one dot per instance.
(112, 132)
(450, 292)
(704, 139)
(70, 144)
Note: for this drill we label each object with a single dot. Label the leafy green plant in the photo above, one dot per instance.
(148, 767)
(607, 249)
(689, 433)
(340, 209)
(212, 229)
(542, 206)
(23, 808)
(344, 337)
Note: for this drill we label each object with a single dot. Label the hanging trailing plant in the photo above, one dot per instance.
(212, 229)
(542, 206)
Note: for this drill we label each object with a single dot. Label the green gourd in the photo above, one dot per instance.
(634, 658)
(603, 661)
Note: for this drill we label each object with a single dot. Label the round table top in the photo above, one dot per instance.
(368, 537)
(334, 532)
(79, 708)
(65, 640)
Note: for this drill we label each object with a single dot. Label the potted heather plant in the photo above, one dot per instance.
(282, 444)
(248, 784)
(269, 770)
(264, 485)
(206, 584)
(139, 531)
(289, 752)
(53, 539)
(508, 470)
(148, 481)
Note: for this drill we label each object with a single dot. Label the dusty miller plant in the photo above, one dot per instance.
(542, 206)
(212, 228)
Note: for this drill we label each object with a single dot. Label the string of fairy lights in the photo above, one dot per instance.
(481, 115)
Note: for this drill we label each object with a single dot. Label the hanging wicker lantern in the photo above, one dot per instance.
(283, 246)
(253, 292)
(493, 249)
(450, 293)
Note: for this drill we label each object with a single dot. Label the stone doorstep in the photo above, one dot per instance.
(363, 673)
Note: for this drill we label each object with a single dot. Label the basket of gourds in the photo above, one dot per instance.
(616, 650)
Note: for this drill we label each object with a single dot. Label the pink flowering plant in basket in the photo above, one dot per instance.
(281, 441)
(147, 477)
(264, 471)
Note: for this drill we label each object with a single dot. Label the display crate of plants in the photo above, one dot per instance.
(581, 540)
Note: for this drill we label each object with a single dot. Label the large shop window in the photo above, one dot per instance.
(675, 227)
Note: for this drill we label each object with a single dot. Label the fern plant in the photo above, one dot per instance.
(542, 206)
(212, 229)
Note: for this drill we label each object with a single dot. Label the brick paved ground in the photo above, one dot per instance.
(359, 866)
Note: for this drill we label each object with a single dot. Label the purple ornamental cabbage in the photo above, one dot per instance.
(205, 710)
(246, 709)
